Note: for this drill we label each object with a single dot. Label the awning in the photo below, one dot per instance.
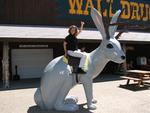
(59, 33)
(135, 37)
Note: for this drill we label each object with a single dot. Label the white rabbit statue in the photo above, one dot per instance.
(58, 79)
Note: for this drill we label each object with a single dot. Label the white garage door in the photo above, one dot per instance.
(30, 62)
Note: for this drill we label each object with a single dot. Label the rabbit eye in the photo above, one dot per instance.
(109, 46)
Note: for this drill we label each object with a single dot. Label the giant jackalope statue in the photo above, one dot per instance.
(58, 78)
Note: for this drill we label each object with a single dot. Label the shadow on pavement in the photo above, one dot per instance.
(36, 109)
(22, 84)
(107, 78)
(34, 83)
(135, 87)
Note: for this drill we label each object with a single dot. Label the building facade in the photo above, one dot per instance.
(66, 12)
(32, 33)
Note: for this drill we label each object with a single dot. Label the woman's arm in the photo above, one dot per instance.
(81, 27)
(65, 47)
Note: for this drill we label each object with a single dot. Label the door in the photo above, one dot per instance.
(30, 62)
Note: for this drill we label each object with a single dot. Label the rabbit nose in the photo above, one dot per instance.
(123, 57)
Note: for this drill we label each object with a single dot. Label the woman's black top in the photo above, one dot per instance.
(72, 42)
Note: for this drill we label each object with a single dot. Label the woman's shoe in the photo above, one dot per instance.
(80, 70)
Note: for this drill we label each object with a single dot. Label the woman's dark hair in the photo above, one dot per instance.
(76, 29)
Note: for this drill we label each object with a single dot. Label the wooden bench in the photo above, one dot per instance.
(128, 78)
(137, 76)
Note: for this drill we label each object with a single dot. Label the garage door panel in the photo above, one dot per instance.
(30, 62)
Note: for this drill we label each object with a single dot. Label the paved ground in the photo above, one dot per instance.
(111, 98)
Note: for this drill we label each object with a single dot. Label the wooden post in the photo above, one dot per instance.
(5, 64)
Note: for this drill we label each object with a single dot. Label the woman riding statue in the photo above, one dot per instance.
(71, 46)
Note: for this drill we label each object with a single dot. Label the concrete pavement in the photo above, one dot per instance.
(111, 98)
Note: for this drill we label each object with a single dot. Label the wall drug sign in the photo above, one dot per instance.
(139, 10)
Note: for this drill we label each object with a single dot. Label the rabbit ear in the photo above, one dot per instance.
(112, 29)
(97, 18)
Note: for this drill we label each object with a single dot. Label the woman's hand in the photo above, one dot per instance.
(65, 54)
(81, 28)
(82, 23)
